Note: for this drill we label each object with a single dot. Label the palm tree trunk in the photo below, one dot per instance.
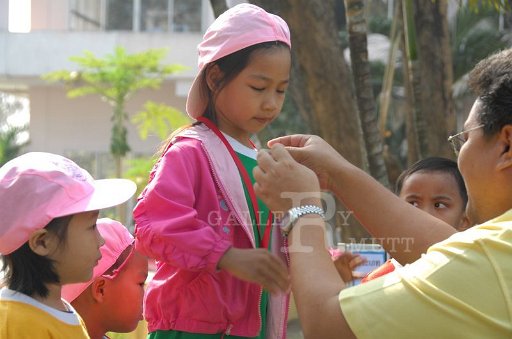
(413, 153)
(436, 73)
(389, 74)
(414, 77)
(357, 31)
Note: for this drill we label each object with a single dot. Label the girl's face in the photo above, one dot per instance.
(436, 193)
(77, 255)
(255, 96)
(124, 295)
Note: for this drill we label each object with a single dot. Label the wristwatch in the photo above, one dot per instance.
(293, 214)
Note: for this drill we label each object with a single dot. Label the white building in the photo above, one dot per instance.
(59, 29)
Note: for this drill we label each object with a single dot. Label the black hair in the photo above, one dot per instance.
(231, 65)
(491, 81)
(435, 164)
(28, 272)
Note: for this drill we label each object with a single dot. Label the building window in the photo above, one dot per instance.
(85, 15)
(119, 15)
(136, 15)
(186, 15)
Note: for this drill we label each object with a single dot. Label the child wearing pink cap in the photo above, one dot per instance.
(48, 238)
(218, 256)
(112, 300)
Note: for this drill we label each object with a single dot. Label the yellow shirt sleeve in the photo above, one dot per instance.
(461, 288)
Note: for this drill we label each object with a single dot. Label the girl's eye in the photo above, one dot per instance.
(440, 205)
(258, 89)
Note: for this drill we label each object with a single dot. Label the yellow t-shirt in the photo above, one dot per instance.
(462, 288)
(23, 317)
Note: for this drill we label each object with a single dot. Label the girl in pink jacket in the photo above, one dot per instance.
(217, 253)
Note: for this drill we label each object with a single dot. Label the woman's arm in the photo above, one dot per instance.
(406, 231)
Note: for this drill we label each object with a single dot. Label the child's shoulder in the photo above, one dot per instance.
(20, 307)
(193, 138)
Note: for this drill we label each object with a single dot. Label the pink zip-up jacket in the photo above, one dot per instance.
(191, 212)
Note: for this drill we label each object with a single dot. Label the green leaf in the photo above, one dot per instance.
(159, 119)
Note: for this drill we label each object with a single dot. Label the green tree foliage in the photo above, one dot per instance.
(115, 78)
(475, 35)
(11, 136)
(158, 118)
(10, 147)
(498, 5)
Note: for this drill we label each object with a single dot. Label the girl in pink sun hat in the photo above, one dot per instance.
(221, 271)
(111, 301)
(48, 238)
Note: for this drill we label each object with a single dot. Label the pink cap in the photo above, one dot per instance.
(117, 239)
(38, 187)
(239, 27)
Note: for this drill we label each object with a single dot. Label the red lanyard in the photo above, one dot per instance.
(248, 183)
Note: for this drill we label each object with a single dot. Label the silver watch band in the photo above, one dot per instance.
(296, 212)
(309, 209)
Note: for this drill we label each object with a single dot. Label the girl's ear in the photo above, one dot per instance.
(213, 77)
(98, 289)
(42, 242)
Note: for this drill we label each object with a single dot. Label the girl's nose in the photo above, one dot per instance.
(271, 103)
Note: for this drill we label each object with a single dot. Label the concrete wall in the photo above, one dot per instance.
(49, 15)
(4, 15)
(32, 54)
(62, 125)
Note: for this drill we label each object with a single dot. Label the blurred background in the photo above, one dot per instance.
(104, 82)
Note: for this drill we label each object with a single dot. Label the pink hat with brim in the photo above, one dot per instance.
(117, 239)
(37, 187)
(239, 27)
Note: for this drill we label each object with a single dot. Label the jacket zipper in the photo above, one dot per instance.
(288, 261)
(253, 241)
(228, 199)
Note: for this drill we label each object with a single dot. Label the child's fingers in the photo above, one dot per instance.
(271, 273)
(356, 261)
(279, 273)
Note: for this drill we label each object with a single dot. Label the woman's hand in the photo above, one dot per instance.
(283, 183)
(314, 153)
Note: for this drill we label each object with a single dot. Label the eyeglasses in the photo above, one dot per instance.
(457, 140)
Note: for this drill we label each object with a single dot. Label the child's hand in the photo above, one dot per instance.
(258, 266)
(345, 264)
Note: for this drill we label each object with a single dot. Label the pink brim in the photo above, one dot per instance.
(196, 104)
(107, 193)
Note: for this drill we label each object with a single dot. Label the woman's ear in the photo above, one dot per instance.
(42, 242)
(213, 77)
(505, 139)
